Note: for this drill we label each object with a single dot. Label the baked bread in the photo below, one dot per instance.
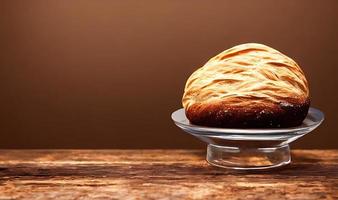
(247, 86)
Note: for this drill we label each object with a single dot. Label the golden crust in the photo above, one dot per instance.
(248, 78)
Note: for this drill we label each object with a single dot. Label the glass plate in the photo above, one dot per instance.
(248, 148)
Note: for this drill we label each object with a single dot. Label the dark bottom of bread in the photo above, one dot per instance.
(280, 115)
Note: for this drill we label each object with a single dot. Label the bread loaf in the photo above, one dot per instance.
(247, 86)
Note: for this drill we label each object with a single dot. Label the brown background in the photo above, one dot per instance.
(108, 74)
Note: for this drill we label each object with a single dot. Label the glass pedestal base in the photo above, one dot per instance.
(249, 149)
(248, 158)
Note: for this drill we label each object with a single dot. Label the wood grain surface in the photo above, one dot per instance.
(159, 174)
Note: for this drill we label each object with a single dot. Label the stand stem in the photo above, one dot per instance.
(248, 158)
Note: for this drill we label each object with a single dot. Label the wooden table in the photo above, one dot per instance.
(159, 174)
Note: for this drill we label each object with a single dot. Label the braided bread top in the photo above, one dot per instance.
(246, 73)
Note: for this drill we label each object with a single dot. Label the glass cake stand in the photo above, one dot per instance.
(248, 148)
